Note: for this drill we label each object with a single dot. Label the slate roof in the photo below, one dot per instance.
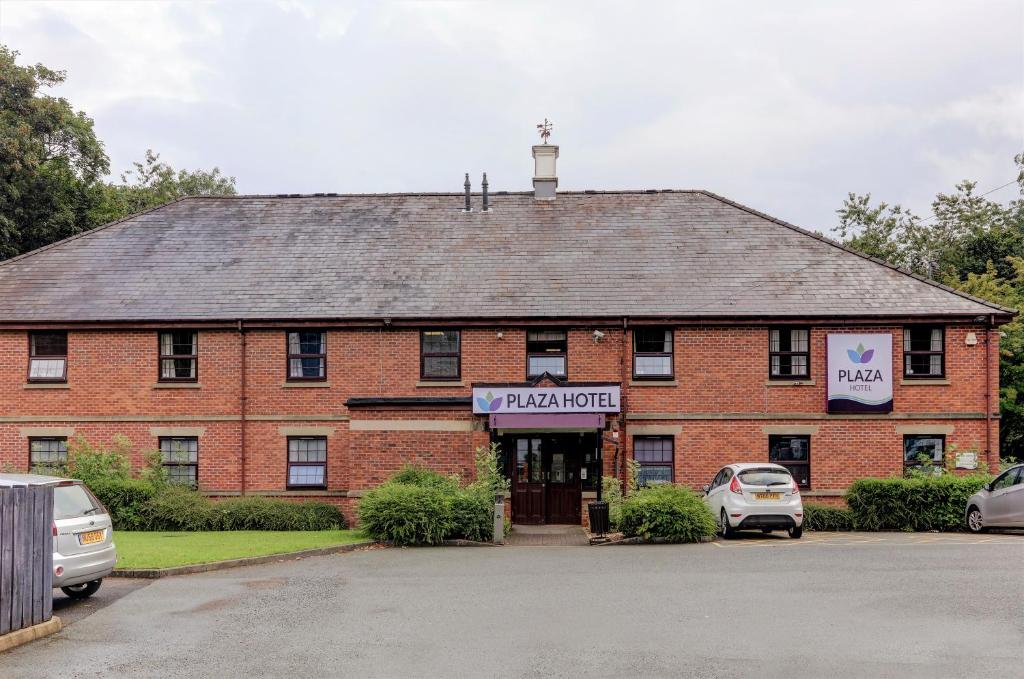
(683, 254)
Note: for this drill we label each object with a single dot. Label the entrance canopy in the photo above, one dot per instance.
(548, 421)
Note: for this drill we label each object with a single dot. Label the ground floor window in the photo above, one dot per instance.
(307, 462)
(180, 457)
(794, 453)
(655, 455)
(47, 455)
(920, 449)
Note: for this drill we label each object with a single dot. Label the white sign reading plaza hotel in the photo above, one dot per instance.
(860, 373)
(582, 399)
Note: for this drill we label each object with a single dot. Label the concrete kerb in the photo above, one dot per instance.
(23, 636)
(153, 573)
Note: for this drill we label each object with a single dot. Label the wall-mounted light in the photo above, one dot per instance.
(971, 339)
(500, 335)
(598, 336)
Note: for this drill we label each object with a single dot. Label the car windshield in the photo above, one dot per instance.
(70, 502)
(765, 477)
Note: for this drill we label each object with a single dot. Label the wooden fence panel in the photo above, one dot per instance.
(26, 557)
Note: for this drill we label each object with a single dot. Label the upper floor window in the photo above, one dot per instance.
(307, 355)
(546, 352)
(48, 357)
(930, 446)
(794, 453)
(307, 462)
(180, 456)
(652, 353)
(789, 353)
(655, 456)
(179, 356)
(439, 354)
(47, 455)
(923, 351)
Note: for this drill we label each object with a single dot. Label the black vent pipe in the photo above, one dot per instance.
(468, 206)
(483, 186)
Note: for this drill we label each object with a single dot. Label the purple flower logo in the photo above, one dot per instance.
(488, 403)
(860, 355)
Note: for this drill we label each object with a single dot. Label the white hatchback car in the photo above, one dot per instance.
(755, 495)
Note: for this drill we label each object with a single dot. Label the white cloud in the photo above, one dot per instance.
(786, 106)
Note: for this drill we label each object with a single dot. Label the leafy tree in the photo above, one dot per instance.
(52, 167)
(50, 160)
(971, 243)
(152, 183)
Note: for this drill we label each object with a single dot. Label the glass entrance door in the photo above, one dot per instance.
(528, 481)
(546, 485)
(563, 492)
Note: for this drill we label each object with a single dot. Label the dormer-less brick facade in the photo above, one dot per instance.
(372, 273)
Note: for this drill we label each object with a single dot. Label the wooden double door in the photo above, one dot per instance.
(546, 484)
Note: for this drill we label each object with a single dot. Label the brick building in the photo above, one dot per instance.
(310, 346)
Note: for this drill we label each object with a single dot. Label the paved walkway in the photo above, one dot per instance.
(553, 536)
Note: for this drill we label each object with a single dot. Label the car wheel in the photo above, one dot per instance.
(82, 591)
(975, 521)
(727, 531)
(795, 532)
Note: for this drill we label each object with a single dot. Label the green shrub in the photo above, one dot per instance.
(406, 514)
(262, 513)
(473, 514)
(611, 492)
(411, 475)
(826, 517)
(916, 504)
(180, 508)
(667, 512)
(94, 464)
(127, 501)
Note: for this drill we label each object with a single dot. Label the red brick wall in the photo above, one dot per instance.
(113, 389)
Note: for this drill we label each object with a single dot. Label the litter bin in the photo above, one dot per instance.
(598, 517)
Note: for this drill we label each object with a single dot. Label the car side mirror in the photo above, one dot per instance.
(706, 488)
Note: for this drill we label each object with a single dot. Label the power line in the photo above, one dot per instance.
(981, 195)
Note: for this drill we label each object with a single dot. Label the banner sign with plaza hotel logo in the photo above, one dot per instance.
(860, 373)
(575, 399)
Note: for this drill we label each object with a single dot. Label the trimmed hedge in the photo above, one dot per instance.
(917, 504)
(666, 512)
(827, 517)
(136, 504)
(127, 500)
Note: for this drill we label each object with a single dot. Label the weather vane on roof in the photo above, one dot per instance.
(545, 130)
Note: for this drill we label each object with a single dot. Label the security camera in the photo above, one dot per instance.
(598, 335)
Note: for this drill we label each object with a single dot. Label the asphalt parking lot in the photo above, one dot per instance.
(829, 605)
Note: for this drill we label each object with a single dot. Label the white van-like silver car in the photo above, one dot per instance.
(83, 535)
(755, 496)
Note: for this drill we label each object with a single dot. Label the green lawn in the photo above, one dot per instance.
(138, 549)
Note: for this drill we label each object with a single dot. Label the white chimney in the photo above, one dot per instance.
(545, 177)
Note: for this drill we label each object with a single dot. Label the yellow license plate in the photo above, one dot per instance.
(767, 496)
(90, 538)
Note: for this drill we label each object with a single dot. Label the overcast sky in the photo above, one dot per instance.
(782, 106)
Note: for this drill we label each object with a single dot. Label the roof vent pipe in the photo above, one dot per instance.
(483, 187)
(469, 208)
